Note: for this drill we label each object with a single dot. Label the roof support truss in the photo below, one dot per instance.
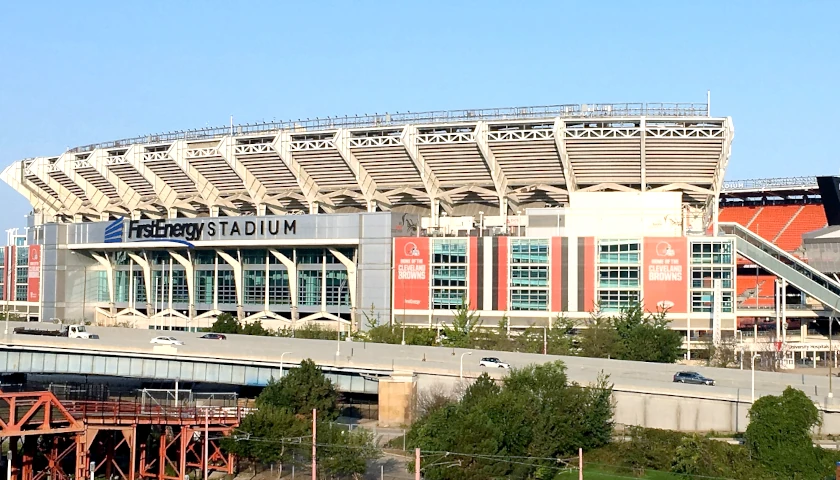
(560, 141)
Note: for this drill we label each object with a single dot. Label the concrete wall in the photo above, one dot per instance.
(625, 214)
(396, 400)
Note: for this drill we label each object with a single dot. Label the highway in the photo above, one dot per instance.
(431, 361)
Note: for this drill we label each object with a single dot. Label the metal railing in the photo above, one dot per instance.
(769, 184)
(594, 110)
(135, 410)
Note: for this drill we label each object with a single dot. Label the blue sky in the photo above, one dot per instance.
(73, 73)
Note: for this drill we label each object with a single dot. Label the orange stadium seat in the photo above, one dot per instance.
(772, 219)
(809, 218)
(750, 286)
(740, 215)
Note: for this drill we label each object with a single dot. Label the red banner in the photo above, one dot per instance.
(666, 274)
(411, 273)
(34, 278)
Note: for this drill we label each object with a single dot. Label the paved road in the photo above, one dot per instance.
(430, 360)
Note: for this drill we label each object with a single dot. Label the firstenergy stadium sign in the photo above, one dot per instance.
(123, 230)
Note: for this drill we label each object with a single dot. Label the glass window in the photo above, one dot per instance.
(226, 290)
(337, 288)
(23, 256)
(714, 252)
(253, 257)
(704, 277)
(22, 274)
(121, 286)
(309, 288)
(616, 300)
(20, 241)
(449, 276)
(273, 260)
(204, 286)
(180, 291)
(704, 301)
(447, 298)
(100, 280)
(204, 257)
(310, 256)
(529, 299)
(22, 290)
(617, 277)
(139, 286)
(619, 251)
(529, 250)
(255, 287)
(449, 250)
(278, 288)
(529, 276)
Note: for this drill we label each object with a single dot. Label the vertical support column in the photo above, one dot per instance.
(238, 281)
(350, 265)
(293, 288)
(132, 454)
(324, 284)
(186, 435)
(147, 279)
(189, 272)
(161, 462)
(643, 134)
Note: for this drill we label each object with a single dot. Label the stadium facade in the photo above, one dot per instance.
(523, 213)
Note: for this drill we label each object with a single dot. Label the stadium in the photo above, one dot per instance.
(518, 213)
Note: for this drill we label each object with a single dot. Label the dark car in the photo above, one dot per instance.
(692, 377)
(214, 336)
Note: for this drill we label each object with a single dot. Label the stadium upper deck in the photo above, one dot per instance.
(498, 161)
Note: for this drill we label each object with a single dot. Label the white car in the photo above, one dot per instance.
(492, 362)
(166, 341)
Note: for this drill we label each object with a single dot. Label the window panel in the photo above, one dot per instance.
(309, 288)
(204, 286)
(337, 288)
(226, 289)
(616, 300)
(255, 287)
(278, 288)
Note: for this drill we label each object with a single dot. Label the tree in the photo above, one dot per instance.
(345, 453)
(779, 435)
(535, 413)
(464, 324)
(302, 389)
(226, 323)
(266, 432)
(600, 339)
(255, 328)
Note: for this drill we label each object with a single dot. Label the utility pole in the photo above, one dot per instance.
(206, 440)
(314, 433)
(416, 464)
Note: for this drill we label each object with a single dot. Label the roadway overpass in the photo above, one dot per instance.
(644, 392)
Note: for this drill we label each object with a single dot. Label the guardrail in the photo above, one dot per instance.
(137, 411)
(594, 110)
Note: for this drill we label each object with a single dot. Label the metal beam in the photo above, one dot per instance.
(367, 184)
(40, 200)
(560, 141)
(255, 188)
(311, 190)
(496, 172)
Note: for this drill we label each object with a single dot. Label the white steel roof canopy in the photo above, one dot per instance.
(498, 161)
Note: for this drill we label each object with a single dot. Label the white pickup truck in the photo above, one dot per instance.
(71, 331)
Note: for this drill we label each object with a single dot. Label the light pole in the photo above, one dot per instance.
(461, 376)
(281, 362)
(831, 356)
(338, 337)
(752, 368)
(481, 224)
